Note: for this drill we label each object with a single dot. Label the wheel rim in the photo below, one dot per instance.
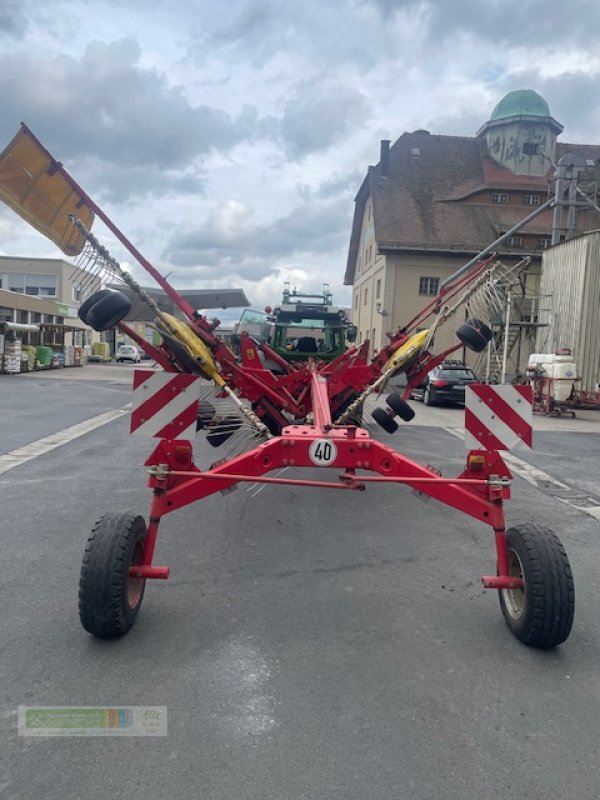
(135, 586)
(514, 599)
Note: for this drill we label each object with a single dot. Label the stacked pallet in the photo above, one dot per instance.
(43, 356)
(102, 350)
(11, 360)
(28, 356)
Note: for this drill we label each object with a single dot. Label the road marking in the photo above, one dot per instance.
(30, 451)
(545, 482)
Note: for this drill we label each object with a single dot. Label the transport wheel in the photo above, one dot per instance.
(109, 599)
(427, 398)
(541, 613)
(90, 301)
(384, 420)
(107, 311)
(474, 334)
(400, 407)
(223, 430)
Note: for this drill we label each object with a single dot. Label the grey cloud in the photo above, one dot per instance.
(13, 20)
(132, 183)
(321, 33)
(214, 250)
(318, 114)
(107, 106)
(512, 22)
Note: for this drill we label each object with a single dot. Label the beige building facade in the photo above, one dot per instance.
(432, 203)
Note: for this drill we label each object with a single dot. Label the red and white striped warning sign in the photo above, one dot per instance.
(498, 417)
(165, 404)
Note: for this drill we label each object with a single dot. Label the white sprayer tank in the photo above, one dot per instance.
(551, 365)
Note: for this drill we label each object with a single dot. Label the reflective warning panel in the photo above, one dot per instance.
(498, 417)
(165, 404)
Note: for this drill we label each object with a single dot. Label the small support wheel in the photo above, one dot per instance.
(541, 613)
(102, 311)
(91, 301)
(109, 599)
(383, 419)
(400, 407)
(474, 334)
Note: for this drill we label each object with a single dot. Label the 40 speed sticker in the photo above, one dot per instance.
(322, 452)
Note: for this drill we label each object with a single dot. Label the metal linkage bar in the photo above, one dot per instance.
(480, 499)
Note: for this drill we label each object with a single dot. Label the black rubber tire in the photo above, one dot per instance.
(400, 407)
(90, 301)
(541, 614)
(109, 600)
(384, 420)
(474, 334)
(427, 397)
(223, 430)
(108, 311)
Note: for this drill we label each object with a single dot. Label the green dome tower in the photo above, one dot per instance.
(521, 133)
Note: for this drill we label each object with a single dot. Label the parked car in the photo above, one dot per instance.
(128, 352)
(445, 384)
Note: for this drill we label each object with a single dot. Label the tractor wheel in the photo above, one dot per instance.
(541, 613)
(474, 334)
(90, 301)
(107, 311)
(384, 420)
(400, 407)
(109, 599)
(427, 398)
(223, 430)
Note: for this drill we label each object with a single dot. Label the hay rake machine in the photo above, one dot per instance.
(302, 415)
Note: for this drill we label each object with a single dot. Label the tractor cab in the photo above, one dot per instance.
(309, 326)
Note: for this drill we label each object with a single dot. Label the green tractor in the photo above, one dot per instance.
(309, 326)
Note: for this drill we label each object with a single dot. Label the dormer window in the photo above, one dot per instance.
(500, 197)
(532, 199)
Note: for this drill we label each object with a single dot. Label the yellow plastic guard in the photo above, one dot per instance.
(407, 352)
(195, 346)
(33, 185)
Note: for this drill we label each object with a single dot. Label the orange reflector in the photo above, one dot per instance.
(475, 462)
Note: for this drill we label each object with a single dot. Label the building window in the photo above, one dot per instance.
(37, 317)
(356, 301)
(532, 199)
(378, 289)
(543, 243)
(6, 314)
(499, 197)
(77, 294)
(429, 286)
(515, 241)
(366, 296)
(16, 283)
(23, 317)
(44, 285)
(373, 336)
(530, 148)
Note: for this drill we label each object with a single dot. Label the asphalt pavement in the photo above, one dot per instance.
(309, 643)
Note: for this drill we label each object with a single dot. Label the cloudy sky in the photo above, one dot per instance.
(228, 140)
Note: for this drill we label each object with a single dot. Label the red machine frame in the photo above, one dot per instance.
(323, 390)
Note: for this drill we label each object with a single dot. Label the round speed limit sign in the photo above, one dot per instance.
(323, 452)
